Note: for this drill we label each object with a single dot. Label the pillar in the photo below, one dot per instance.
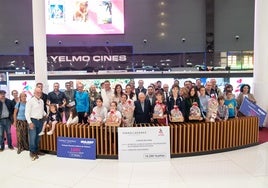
(260, 78)
(39, 41)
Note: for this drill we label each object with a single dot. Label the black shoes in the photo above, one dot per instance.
(19, 151)
(33, 156)
(40, 153)
(11, 147)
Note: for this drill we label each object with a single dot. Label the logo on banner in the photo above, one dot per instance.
(160, 132)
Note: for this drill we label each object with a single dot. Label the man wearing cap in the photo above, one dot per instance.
(6, 114)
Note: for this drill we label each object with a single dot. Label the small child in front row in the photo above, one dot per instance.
(73, 117)
(231, 103)
(53, 118)
(223, 112)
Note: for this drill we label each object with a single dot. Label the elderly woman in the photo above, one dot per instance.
(21, 124)
(244, 92)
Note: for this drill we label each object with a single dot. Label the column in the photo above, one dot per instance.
(39, 41)
(260, 78)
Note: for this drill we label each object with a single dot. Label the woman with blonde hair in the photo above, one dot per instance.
(21, 124)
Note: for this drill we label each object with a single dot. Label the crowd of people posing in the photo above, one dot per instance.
(156, 103)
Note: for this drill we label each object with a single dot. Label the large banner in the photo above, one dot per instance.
(143, 143)
(80, 148)
(250, 109)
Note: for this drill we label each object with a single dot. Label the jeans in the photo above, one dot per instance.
(5, 126)
(33, 134)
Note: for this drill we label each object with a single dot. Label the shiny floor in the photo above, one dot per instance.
(241, 168)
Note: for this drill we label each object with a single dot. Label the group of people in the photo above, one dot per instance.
(118, 106)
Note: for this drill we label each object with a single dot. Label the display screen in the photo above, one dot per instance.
(72, 17)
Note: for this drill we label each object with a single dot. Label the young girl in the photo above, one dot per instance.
(126, 107)
(99, 112)
(73, 117)
(176, 100)
(222, 113)
(160, 109)
(114, 116)
(193, 101)
(53, 118)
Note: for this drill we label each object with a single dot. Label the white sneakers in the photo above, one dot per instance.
(41, 133)
(48, 133)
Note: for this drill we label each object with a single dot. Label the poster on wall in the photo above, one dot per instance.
(143, 143)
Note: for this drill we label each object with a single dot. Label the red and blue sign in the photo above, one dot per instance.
(80, 148)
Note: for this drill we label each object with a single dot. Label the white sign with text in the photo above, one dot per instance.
(143, 143)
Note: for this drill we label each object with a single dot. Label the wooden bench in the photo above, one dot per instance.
(185, 138)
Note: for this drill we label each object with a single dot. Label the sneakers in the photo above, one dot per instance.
(49, 132)
(41, 133)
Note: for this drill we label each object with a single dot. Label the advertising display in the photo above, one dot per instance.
(143, 143)
(80, 148)
(70, 17)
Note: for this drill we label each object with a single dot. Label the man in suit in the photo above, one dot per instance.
(166, 92)
(151, 95)
(140, 88)
(143, 109)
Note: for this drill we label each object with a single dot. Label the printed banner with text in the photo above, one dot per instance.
(143, 143)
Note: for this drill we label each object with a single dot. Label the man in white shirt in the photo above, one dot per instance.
(107, 94)
(34, 113)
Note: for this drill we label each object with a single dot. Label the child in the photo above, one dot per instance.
(99, 112)
(126, 107)
(53, 118)
(223, 112)
(203, 98)
(114, 116)
(212, 109)
(231, 103)
(160, 109)
(73, 117)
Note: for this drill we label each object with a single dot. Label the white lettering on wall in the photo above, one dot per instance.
(86, 58)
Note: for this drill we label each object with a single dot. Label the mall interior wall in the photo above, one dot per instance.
(182, 19)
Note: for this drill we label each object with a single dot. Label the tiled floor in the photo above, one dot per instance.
(247, 168)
